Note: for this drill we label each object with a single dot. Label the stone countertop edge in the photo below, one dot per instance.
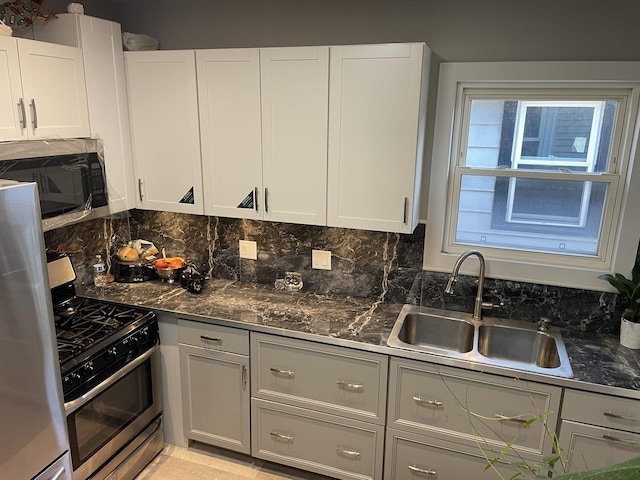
(599, 363)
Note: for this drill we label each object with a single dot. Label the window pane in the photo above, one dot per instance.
(563, 216)
(540, 135)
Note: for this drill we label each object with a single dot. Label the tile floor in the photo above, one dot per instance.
(202, 462)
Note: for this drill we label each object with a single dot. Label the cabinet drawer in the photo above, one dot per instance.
(321, 443)
(322, 377)
(603, 410)
(416, 457)
(468, 407)
(213, 337)
(589, 447)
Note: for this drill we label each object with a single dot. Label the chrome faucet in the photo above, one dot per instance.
(477, 306)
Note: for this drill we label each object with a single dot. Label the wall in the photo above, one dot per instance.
(373, 265)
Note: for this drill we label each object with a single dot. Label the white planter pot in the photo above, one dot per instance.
(629, 334)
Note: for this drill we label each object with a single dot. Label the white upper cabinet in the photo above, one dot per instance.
(49, 100)
(11, 99)
(101, 44)
(377, 106)
(229, 100)
(163, 107)
(295, 96)
(263, 121)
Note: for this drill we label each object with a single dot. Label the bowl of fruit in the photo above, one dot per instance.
(170, 268)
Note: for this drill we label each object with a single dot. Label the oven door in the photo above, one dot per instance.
(114, 413)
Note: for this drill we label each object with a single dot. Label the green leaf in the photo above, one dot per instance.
(629, 470)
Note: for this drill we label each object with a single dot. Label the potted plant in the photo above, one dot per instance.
(630, 289)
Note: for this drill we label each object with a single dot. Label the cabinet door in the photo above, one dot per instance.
(295, 96)
(12, 126)
(54, 90)
(376, 125)
(589, 447)
(215, 397)
(101, 44)
(415, 457)
(229, 101)
(163, 107)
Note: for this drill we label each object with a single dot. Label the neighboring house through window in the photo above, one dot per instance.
(535, 169)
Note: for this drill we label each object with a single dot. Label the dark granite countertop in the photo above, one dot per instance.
(599, 363)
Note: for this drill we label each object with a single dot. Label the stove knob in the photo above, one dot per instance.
(144, 334)
(112, 354)
(87, 370)
(72, 380)
(134, 340)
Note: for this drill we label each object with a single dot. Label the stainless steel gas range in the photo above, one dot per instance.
(111, 378)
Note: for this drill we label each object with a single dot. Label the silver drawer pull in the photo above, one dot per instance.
(505, 418)
(621, 417)
(347, 452)
(210, 339)
(432, 403)
(284, 373)
(350, 386)
(282, 436)
(611, 438)
(423, 471)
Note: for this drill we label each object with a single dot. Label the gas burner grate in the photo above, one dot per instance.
(83, 322)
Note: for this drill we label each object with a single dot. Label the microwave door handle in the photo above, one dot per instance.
(74, 405)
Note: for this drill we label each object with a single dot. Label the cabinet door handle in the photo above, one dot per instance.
(34, 120)
(358, 387)
(284, 373)
(611, 438)
(210, 339)
(266, 200)
(406, 210)
(23, 115)
(506, 418)
(255, 198)
(140, 188)
(432, 403)
(282, 436)
(244, 377)
(423, 471)
(620, 417)
(340, 450)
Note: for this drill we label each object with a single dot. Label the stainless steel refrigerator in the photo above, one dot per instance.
(33, 438)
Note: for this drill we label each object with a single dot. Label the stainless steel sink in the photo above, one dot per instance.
(518, 345)
(491, 341)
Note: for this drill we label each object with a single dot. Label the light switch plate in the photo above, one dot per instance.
(321, 259)
(248, 249)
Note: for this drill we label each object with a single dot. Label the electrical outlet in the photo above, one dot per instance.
(321, 259)
(248, 249)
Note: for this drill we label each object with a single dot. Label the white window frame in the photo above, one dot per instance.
(619, 244)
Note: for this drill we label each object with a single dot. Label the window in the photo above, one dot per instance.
(534, 170)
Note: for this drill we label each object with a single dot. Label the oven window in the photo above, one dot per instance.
(93, 425)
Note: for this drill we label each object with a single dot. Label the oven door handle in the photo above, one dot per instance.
(74, 405)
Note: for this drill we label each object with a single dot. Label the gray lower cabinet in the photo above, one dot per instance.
(327, 444)
(458, 413)
(598, 430)
(215, 385)
(318, 407)
(410, 456)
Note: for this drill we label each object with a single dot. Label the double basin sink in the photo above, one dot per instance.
(490, 341)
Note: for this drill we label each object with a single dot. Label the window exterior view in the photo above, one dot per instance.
(531, 173)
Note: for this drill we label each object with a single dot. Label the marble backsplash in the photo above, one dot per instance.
(378, 266)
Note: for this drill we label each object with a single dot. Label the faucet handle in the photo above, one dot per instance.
(543, 324)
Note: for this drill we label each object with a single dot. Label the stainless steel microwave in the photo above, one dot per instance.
(69, 173)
